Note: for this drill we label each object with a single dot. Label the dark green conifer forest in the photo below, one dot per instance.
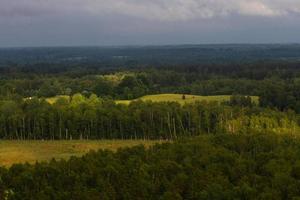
(249, 166)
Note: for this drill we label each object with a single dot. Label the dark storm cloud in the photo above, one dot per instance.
(152, 9)
(97, 22)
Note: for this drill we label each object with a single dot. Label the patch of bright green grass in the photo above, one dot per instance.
(178, 98)
(167, 98)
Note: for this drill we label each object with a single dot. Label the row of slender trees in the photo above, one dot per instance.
(79, 117)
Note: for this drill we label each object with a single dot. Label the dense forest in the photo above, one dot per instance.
(95, 118)
(251, 166)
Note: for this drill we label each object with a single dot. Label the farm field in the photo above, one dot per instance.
(178, 98)
(12, 152)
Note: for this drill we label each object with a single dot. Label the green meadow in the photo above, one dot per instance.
(179, 98)
(31, 151)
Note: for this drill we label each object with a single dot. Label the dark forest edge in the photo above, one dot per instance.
(248, 166)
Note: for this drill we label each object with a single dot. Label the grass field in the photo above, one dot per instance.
(12, 152)
(178, 98)
(168, 98)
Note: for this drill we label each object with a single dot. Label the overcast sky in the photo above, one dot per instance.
(143, 22)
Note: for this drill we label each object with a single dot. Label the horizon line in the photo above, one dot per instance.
(148, 45)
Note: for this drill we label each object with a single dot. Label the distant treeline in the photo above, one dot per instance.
(95, 118)
(133, 56)
(250, 166)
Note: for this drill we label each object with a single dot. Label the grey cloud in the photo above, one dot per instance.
(105, 22)
(159, 10)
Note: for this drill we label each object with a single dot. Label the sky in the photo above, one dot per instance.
(147, 22)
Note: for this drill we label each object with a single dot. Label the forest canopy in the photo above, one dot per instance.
(251, 166)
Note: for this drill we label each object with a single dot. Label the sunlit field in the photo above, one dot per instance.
(179, 98)
(12, 152)
(167, 98)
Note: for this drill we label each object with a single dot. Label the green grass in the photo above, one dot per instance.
(178, 98)
(168, 98)
(12, 152)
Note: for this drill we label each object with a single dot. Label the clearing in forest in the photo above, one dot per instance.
(182, 100)
(168, 98)
(12, 152)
